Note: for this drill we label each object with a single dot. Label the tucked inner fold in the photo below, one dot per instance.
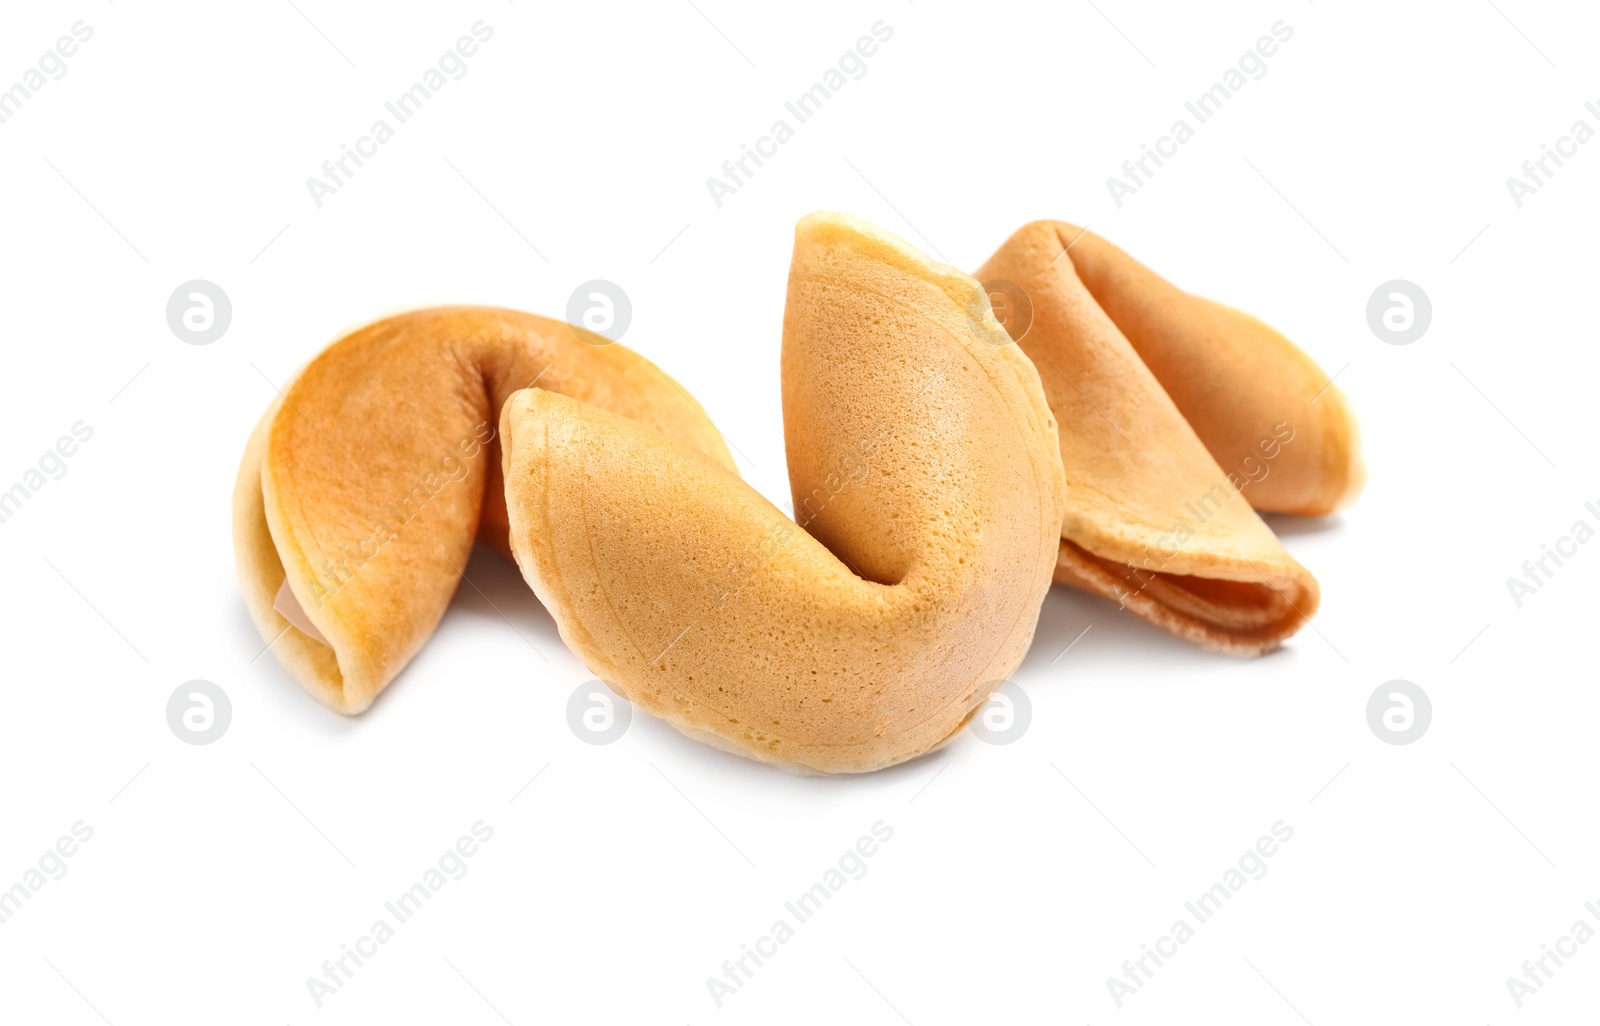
(365, 485)
(1153, 522)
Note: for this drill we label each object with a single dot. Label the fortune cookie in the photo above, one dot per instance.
(926, 479)
(364, 485)
(1241, 385)
(1152, 521)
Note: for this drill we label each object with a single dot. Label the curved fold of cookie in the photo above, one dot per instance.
(364, 486)
(1152, 521)
(1241, 385)
(922, 458)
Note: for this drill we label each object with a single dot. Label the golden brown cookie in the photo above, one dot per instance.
(927, 486)
(1151, 521)
(1243, 387)
(364, 485)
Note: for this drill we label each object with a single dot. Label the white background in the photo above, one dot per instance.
(1019, 878)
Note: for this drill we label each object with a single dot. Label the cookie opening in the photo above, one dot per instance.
(288, 607)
